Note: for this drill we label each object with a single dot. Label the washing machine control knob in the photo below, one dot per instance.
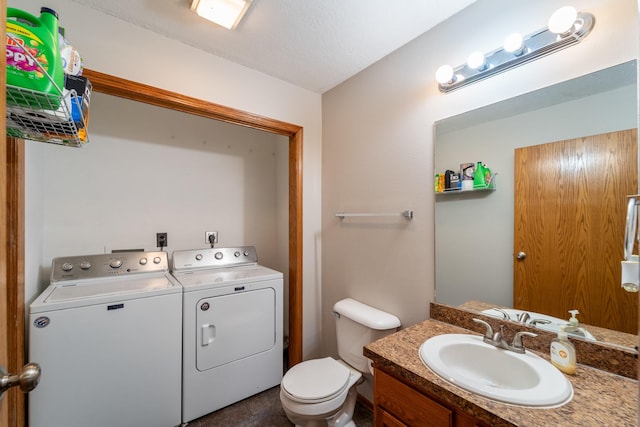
(246, 253)
(157, 260)
(67, 266)
(85, 265)
(116, 263)
(199, 257)
(236, 254)
(218, 255)
(143, 261)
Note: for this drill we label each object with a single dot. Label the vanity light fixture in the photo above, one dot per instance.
(514, 43)
(477, 61)
(227, 13)
(565, 28)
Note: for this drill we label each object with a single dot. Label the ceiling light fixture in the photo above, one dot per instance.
(227, 13)
(566, 27)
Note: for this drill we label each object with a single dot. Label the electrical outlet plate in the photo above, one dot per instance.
(161, 240)
(207, 234)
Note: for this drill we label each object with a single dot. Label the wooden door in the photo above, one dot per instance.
(570, 214)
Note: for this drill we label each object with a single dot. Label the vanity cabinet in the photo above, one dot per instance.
(397, 404)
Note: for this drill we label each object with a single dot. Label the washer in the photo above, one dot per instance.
(232, 327)
(107, 333)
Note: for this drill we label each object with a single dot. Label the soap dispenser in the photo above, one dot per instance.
(563, 353)
(573, 320)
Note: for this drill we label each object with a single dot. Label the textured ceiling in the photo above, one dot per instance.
(314, 44)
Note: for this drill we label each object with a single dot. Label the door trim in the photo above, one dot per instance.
(116, 86)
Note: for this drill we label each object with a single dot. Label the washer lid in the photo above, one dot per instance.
(316, 380)
(104, 291)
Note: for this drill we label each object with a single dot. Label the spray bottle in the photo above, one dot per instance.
(479, 176)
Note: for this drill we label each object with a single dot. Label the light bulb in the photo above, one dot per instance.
(514, 43)
(563, 19)
(476, 61)
(444, 74)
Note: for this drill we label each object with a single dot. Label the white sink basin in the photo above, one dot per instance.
(519, 379)
(553, 325)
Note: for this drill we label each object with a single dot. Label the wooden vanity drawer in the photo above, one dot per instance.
(406, 405)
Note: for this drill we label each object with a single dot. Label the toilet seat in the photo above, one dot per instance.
(316, 381)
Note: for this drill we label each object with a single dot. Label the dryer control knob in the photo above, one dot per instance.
(157, 260)
(218, 255)
(246, 253)
(85, 265)
(199, 257)
(67, 266)
(143, 261)
(116, 263)
(236, 254)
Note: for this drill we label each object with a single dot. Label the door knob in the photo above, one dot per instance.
(521, 255)
(27, 380)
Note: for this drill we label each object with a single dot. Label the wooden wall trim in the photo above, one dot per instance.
(295, 249)
(12, 350)
(116, 86)
(15, 273)
(140, 92)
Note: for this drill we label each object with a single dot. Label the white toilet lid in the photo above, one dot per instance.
(316, 380)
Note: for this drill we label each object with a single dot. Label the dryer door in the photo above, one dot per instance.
(235, 326)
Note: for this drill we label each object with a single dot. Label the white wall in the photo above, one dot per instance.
(378, 143)
(149, 170)
(474, 236)
(112, 46)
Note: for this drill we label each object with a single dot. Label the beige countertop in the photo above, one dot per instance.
(600, 398)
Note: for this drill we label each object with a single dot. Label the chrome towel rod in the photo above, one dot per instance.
(407, 214)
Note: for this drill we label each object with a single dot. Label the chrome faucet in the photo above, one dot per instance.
(523, 317)
(496, 339)
(503, 312)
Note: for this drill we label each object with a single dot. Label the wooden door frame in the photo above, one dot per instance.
(12, 159)
(11, 257)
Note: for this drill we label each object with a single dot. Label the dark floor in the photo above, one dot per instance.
(264, 410)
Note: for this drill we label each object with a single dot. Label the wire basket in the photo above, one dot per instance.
(44, 117)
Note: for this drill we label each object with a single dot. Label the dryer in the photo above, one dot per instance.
(232, 327)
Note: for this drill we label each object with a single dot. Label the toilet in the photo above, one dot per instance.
(322, 392)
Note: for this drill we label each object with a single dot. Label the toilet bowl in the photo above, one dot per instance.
(320, 392)
(323, 392)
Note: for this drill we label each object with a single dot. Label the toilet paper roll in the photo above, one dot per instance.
(630, 275)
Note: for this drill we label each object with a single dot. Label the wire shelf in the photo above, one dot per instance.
(44, 117)
(50, 122)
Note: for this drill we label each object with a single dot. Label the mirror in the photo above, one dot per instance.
(474, 230)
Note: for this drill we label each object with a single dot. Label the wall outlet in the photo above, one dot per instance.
(210, 237)
(162, 240)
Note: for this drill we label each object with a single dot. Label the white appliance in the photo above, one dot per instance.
(232, 327)
(107, 333)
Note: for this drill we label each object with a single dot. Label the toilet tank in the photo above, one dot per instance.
(357, 325)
